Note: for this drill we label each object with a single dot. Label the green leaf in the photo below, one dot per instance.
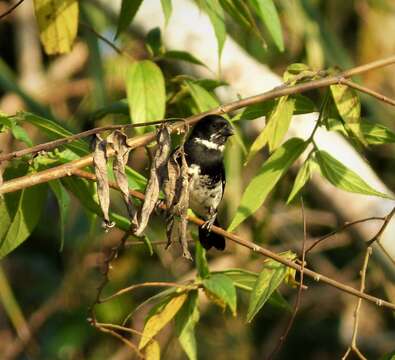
(154, 42)
(185, 320)
(58, 24)
(303, 104)
(201, 261)
(120, 107)
(159, 319)
(304, 175)
(129, 9)
(54, 131)
(278, 121)
(183, 56)
(349, 107)
(277, 125)
(268, 176)
(376, 134)
(241, 278)
(20, 134)
(390, 356)
(63, 200)
(270, 278)
(85, 192)
(216, 15)
(145, 86)
(268, 14)
(167, 9)
(254, 111)
(222, 291)
(203, 99)
(342, 177)
(19, 212)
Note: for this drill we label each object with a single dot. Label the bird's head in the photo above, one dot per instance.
(212, 131)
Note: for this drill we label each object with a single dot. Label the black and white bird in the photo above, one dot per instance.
(204, 151)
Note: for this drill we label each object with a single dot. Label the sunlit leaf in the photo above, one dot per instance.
(58, 23)
(304, 175)
(145, 87)
(185, 320)
(268, 176)
(158, 320)
(222, 291)
(342, 177)
(270, 278)
(349, 107)
(268, 14)
(203, 99)
(152, 351)
(129, 9)
(167, 9)
(216, 15)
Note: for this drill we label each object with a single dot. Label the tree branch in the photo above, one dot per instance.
(67, 169)
(259, 249)
(11, 9)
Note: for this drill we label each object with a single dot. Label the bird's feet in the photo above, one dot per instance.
(209, 223)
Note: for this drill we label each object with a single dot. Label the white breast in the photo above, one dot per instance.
(202, 198)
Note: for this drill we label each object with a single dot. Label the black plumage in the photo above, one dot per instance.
(204, 155)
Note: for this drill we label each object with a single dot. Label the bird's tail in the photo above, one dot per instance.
(209, 239)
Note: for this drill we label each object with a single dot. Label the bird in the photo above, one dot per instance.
(204, 154)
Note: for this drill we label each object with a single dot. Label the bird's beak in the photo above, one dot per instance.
(227, 131)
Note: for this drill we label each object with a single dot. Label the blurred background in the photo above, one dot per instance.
(50, 290)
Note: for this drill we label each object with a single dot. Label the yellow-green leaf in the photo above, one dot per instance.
(222, 291)
(152, 351)
(58, 24)
(278, 121)
(203, 99)
(342, 177)
(349, 108)
(270, 278)
(145, 87)
(158, 320)
(268, 176)
(304, 175)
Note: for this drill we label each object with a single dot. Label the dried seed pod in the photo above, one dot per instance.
(157, 172)
(103, 189)
(118, 142)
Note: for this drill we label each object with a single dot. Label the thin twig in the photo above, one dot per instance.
(387, 220)
(344, 227)
(259, 249)
(300, 288)
(11, 9)
(108, 42)
(68, 139)
(368, 91)
(66, 169)
(136, 286)
(353, 347)
(127, 342)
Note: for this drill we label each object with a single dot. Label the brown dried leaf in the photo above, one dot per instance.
(157, 173)
(103, 189)
(169, 183)
(178, 209)
(118, 142)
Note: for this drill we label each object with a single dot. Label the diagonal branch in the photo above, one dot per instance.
(259, 249)
(67, 169)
